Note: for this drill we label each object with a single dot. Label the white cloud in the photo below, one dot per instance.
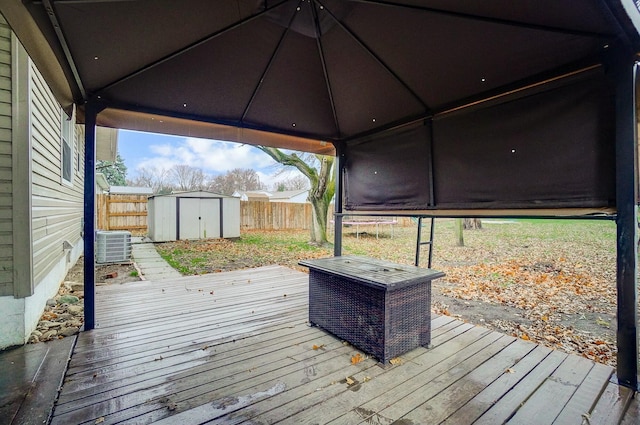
(214, 158)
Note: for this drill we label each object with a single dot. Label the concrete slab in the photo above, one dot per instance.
(156, 277)
(144, 261)
(151, 264)
(153, 274)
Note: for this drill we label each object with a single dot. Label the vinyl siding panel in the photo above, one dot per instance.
(56, 206)
(6, 187)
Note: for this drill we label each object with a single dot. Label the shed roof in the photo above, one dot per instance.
(192, 194)
(130, 190)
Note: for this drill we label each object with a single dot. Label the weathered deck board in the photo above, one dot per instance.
(486, 398)
(632, 416)
(612, 404)
(231, 348)
(588, 391)
(447, 402)
(554, 392)
(508, 404)
(425, 380)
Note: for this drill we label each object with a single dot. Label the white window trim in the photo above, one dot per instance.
(67, 135)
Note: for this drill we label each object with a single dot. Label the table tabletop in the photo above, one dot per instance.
(379, 273)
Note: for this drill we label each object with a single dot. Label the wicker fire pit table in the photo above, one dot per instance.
(380, 307)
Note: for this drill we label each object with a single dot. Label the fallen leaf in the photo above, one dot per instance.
(99, 420)
(350, 381)
(396, 361)
(317, 347)
(525, 337)
(356, 358)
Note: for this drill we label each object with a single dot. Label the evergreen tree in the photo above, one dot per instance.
(114, 171)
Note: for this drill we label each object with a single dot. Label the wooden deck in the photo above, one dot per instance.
(234, 348)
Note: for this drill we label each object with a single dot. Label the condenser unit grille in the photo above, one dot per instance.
(113, 246)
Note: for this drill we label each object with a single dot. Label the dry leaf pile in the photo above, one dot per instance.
(540, 289)
(544, 292)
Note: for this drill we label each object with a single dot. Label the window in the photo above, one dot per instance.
(78, 163)
(66, 137)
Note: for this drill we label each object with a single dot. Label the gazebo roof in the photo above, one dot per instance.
(300, 73)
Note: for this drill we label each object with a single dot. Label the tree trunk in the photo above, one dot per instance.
(459, 236)
(319, 221)
(472, 223)
(322, 182)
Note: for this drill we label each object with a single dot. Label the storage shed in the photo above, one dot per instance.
(193, 215)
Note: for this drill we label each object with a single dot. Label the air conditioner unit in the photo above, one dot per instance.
(113, 246)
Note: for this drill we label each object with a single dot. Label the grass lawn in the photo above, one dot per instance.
(550, 281)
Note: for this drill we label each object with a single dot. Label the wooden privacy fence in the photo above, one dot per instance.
(274, 215)
(283, 215)
(129, 212)
(122, 212)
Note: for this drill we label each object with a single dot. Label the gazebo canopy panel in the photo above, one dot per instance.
(389, 81)
(564, 159)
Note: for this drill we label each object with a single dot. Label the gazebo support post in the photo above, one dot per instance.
(89, 221)
(337, 238)
(626, 184)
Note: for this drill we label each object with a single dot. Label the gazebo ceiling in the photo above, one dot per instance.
(324, 70)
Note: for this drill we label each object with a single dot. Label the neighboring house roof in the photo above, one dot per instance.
(288, 194)
(130, 190)
(246, 195)
(281, 196)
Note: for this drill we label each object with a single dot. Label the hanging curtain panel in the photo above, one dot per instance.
(481, 158)
(389, 171)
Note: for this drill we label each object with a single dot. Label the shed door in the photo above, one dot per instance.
(199, 218)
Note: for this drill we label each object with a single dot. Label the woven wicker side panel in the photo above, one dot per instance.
(409, 319)
(349, 310)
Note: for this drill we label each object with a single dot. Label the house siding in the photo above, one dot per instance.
(6, 188)
(38, 211)
(57, 207)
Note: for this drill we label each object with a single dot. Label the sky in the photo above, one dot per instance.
(148, 150)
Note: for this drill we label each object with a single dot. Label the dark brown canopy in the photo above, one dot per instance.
(432, 105)
(328, 70)
(444, 88)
